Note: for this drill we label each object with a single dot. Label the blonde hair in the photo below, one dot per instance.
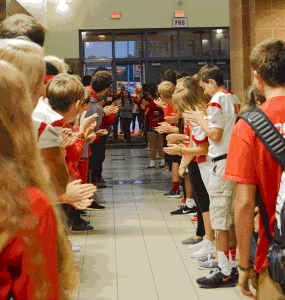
(185, 99)
(166, 89)
(63, 90)
(27, 57)
(22, 168)
(59, 63)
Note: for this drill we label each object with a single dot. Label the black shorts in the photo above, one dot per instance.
(173, 158)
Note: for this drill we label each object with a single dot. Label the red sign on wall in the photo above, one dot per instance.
(179, 14)
(116, 15)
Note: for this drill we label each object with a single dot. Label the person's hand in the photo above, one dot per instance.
(173, 138)
(172, 149)
(172, 119)
(160, 103)
(116, 102)
(102, 132)
(181, 171)
(193, 116)
(68, 138)
(163, 127)
(243, 282)
(91, 138)
(110, 109)
(79, 194)
(85, 123)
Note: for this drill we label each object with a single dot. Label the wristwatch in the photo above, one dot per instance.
(245, 269)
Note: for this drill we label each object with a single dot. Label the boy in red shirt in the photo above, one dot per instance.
(250, 164)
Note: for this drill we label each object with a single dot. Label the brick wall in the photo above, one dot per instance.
(251, 21)
(74, 62)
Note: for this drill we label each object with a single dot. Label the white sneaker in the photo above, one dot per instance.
(204, 251)
(75, 249)
(197, 246)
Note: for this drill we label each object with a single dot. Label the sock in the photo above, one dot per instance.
(152, 163)
(223, 262)
(190, 202)
(162, 162)
(175, 186)
(232, 256)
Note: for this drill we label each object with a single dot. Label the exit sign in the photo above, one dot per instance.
(179, 14)
(116, 15)
(179, 22)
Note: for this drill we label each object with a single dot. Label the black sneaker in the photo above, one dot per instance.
(216, 279)
(235, 274)
(95, 206)
(172, 194)
(81, 228)
(184, 210)
(85, 222)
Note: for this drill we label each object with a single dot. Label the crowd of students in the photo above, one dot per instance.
(54, 131)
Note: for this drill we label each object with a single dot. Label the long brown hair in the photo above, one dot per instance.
(21, 168)
(185, 99)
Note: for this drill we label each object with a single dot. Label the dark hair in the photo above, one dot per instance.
(184, 74)
(123, 98)
(268, 60)
(145, 87)
(99, 69)
(211, 72)
(152, 89)
(169, 75)
(23, 25)
(86, 80)
(51, 69)
(101, 80)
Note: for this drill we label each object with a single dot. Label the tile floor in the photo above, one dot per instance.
(135, 251)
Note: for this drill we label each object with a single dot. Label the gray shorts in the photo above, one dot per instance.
(222, 193)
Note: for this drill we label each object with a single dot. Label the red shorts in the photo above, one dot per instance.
(83, 168)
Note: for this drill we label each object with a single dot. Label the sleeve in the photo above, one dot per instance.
(75, 151)
(199, 135)
(48, 136)
(240, 165)
(109, 119)
(149, 109)
(215, 114)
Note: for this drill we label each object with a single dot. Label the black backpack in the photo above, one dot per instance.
(275, 144)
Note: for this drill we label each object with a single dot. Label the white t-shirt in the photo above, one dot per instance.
(222, 112)
(48, 125)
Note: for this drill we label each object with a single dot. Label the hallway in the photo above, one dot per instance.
(135, 251)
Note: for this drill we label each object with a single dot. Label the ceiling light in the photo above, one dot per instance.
(219, 30)
(62, 6)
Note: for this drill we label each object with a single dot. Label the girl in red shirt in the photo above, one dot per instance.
(35, 256)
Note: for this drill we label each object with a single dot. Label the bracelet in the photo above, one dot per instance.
(81, 135)
(245, 269)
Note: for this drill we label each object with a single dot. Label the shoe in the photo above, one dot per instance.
(101, 180)
(183, 211)
(83, 212)
(85, 222)
(183, 200)
(75, 248)
(209, 264)
(216, 279)
(192, 241)
(148, 167)
(100, 185)
(172, 194)
(95, 206)
(204, 251)
(206, 258)
(161, 166)
(197, 246)
(194, 219)
(81, 228)
(235, 274)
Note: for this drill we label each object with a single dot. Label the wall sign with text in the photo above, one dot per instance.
(179, 22)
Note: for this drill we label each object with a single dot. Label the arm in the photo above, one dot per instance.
(244, 214)
(175, 138)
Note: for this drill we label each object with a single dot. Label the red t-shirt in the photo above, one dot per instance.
(15, 260)
(249, 162)
(153, 114)
(168, 111)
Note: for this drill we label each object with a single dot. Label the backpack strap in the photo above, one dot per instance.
(274, 143)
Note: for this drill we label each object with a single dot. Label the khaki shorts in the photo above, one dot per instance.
(222, 193)
(267, 289)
